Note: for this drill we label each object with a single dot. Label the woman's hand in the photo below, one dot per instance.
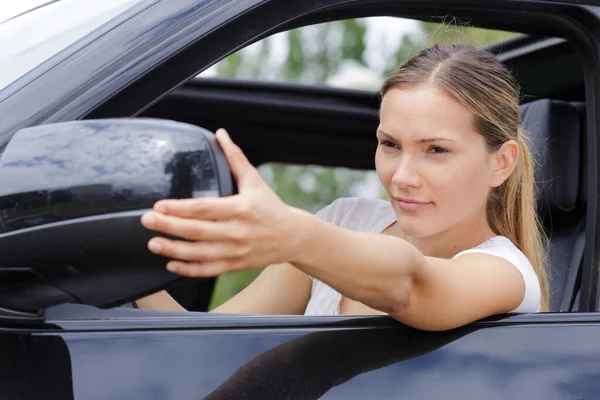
(252, 229)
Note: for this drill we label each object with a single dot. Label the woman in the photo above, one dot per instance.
(459, 239)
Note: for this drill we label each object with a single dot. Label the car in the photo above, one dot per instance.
(67, 331)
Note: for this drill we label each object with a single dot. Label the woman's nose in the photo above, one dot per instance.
(407, 173)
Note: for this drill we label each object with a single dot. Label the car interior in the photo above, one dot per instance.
(556, 130)
(298, 124)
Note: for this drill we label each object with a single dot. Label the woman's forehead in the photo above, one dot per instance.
(424, 110)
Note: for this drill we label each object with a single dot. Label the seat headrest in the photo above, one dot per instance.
(555, 131)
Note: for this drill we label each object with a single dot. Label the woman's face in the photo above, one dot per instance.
(435, 167)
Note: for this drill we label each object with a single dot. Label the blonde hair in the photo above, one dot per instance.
(482, 84)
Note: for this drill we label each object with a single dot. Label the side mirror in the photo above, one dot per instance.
(71, 198)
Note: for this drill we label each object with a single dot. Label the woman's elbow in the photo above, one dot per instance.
(400, 289)
(395, 296)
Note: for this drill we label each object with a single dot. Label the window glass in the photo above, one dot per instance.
(356, 53)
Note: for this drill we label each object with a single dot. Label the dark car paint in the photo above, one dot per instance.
(207, 356)
(112, 57)
(160, 356)
(134, 173)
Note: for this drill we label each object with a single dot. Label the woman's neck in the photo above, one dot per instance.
(450, 242)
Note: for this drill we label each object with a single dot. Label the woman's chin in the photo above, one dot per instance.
(417, 229)
(410, 230)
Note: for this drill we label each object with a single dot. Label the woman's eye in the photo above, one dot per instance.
(437, 150)
(387, 143)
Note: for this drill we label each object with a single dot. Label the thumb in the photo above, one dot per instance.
(238, 163)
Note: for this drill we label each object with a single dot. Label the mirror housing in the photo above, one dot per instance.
(71, 198)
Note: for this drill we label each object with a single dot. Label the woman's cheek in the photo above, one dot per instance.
(466, 189)
(451, 184)
(385, 170)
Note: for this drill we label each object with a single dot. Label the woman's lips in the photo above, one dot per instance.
(410, 205)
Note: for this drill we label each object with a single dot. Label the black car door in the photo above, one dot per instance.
(119, 354)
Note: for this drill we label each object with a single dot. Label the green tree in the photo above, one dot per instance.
(457, 32)
(445, 32)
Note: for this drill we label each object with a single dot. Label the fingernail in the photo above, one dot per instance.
(154, 246)
(148, 220)
(171, 267)
(223, 133)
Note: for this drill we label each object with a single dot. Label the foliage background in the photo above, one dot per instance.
(355, 53)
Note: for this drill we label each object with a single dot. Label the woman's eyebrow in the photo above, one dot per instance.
(423, 140)
(386, 135)
(435, 139)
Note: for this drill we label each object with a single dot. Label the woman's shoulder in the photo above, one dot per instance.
(501, 246)
(498, 244)
(358, 213)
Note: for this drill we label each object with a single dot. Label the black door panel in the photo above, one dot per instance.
(549, 361)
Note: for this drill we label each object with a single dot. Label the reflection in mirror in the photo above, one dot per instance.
(66, 171)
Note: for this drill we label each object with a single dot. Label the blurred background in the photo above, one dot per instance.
(354, 54)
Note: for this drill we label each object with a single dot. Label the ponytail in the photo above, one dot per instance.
(511, 212)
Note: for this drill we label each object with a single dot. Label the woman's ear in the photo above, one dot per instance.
(505, 161)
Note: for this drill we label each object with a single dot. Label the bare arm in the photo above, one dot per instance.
(424, 292)
(255, 228)
(279, 289)
(159, 301)
(451, 293)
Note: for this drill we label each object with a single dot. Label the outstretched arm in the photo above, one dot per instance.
(255, 228)
(389, 274)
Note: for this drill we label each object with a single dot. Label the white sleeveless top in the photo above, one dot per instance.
(372, 215)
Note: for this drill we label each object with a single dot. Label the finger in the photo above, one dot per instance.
(191, 229)
(220, 208)
(239, 164)
(195, 251)
(200, 270)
